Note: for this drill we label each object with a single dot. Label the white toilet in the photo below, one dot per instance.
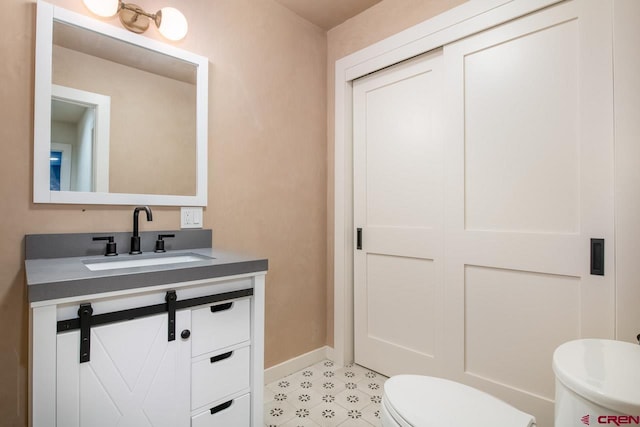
(420, 401)
(597, 382)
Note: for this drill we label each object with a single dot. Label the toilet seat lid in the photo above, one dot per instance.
(436, 402)
(606, 372)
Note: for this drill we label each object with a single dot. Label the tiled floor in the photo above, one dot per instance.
(325, 395)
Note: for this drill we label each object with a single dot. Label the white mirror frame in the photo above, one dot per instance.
(46, 15)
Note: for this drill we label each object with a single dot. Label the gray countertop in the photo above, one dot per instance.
(54, 278)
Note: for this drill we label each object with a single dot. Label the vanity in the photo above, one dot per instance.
(161, 335)
(166, 339)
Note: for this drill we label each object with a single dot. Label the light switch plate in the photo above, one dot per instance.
(191, 217)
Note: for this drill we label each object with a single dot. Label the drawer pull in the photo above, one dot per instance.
(220, 357)
(221, 307)
(220, 407)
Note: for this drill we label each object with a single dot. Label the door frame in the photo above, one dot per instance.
(454, 24)
(102, 127)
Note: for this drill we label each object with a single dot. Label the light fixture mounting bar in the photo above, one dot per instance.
(129, 15)
(171, 23)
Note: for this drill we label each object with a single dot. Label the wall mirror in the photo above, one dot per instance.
(119, 118)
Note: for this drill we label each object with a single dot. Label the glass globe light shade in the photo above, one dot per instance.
(173, 24)
(104, 8)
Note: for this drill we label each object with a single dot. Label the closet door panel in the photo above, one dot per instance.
(521, 143)
(529, 146)
(398, 176)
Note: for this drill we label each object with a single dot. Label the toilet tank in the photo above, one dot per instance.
(597, 383)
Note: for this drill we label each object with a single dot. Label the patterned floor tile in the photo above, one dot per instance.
(353, 399)
(326, 365)
(278, 413)
(268, 395)
(371, 414)
(373, 386)
(351, 375)
(282, 396)
(308, 374)
(375, 399)
(325, 395)
(300, 383)
(355, 423)
(301, 422)
(331, 386)
(354, 386)
(306, 398)
(355, 415)
(284, 385)
(328, 415)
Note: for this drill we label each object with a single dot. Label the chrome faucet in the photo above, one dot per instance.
(135, 239)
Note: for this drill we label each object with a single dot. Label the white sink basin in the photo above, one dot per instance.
(112, 264)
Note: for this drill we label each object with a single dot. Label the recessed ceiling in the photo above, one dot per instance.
(326, 14)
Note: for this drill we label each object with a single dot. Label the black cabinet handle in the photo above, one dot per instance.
(185, 334)
(597, 257)
(221, 307)
(359, 239)
(220, 407)
(220, 357)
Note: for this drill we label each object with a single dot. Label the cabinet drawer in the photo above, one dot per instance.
(220, 325)
(234, 413)
(215, 377)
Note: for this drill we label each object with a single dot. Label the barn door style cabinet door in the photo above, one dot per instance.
(135, 376)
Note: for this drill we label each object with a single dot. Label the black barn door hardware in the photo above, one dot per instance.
(84, 313)
(171, 310)
(86, 320)
(359, 239)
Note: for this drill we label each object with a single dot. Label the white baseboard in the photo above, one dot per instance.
(291, 366)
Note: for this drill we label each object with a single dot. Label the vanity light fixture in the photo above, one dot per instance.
(170, 21)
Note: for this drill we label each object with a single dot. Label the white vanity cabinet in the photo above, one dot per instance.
(209, 375)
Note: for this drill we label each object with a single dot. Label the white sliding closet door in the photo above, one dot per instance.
(529, 161)
(398, 203)
(477, 237)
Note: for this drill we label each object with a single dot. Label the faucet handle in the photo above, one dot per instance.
(160, 242)
(111, 245)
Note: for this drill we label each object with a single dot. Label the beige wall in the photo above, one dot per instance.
(374, 24)
(267, 169)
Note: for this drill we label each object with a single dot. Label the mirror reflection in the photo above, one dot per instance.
(72, 143)
(123, 118)
(79, 140)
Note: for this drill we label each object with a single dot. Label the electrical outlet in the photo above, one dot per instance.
(191, 217)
